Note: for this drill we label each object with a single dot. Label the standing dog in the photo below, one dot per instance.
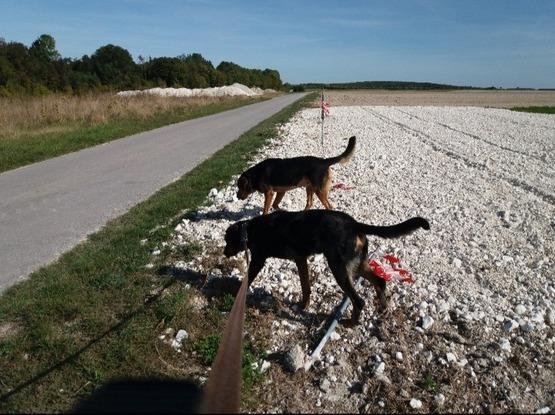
(280, 175)
(297, 235)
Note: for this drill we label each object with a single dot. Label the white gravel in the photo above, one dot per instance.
(236, 89)
(484, 178)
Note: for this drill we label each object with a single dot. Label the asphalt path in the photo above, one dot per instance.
(49, 207)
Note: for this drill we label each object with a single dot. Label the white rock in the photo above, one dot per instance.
(538, 318)
(415, 403)
(457, 262)
(527, 327)
(399, 356)
(335, 336)
(505, 345)
(379, 368)
(520, 309)
(181, 335)
(426, 322)
(451, 357)
(265, 366)
(544, 410)
(510, 325)
(439, 399)
(325, 385)
(294, 358)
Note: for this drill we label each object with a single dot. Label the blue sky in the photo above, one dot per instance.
(503, 43)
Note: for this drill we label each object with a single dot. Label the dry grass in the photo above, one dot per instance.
(25, 116)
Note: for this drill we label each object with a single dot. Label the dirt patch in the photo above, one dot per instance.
(495, 99)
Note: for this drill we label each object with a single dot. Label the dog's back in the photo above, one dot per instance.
(281, 175)
(290, 234)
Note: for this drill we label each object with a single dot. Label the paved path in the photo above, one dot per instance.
(48, 207)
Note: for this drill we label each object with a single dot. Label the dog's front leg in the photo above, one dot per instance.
(257, 263)
(302, 266)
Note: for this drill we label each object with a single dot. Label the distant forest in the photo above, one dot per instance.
(386, 85)
(40, 69)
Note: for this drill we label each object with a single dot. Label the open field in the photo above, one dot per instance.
(476, 332)
(37, 128)
(494, 99)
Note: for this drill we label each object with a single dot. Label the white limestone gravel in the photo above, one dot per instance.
(485, 179)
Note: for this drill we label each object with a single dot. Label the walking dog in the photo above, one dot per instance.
(280, 175)
(297, 235)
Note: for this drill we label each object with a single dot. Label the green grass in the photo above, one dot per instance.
(540, 110)
(226, 303)
(94, 315)
(428, 383)
(207, 347)
(25, 150)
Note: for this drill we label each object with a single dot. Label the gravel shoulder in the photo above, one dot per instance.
(476, 331)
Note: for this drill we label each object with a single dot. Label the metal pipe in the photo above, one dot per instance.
(342, 307)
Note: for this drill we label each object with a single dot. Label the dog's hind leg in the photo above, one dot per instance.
(268, 196)
(277, 200)
(344, 280)
(302, 266)
(324, 191)
(378, 283)
(309, 197)
(323, 196)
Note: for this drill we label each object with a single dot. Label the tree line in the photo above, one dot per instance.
(391, 85)
(40, 69)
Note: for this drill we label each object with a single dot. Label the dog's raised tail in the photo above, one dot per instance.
(346, 155)
(394, 231)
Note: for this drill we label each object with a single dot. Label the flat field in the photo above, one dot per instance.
(475, 332)
(473, 98)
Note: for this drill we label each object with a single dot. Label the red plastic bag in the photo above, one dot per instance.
(388, 267)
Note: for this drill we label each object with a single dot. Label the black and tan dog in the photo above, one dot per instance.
(297, 235)
(280, 175)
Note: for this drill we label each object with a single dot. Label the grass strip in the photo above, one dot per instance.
(539, 110)
(91, 316)
(70, 137)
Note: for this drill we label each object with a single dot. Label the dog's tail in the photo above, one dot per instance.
(394, 231)
(346, 155)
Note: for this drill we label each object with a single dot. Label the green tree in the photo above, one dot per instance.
(114, 67)
(44, 48)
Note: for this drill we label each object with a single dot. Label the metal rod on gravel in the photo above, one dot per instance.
(322, 117)
(342, 307)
